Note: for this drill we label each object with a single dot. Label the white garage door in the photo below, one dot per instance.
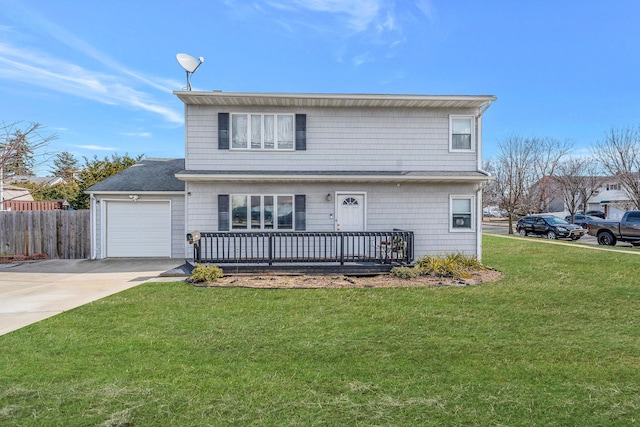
(138, 229)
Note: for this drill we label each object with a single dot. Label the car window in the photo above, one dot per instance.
(555, 220)
(633, 217)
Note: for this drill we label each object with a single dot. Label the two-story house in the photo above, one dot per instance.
(296, 166)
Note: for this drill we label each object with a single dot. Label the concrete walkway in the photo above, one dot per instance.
(31, 292)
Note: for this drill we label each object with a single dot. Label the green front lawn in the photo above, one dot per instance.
(556, 342)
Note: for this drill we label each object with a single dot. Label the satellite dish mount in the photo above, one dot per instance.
(190, 65)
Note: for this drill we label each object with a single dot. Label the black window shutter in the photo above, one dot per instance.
(223, 131)
(301, 131)
(301, 212)
(223, 212)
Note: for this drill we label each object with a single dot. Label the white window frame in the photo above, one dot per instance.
(276, 143)
(262, 216)
(472, 118)
(472, 206)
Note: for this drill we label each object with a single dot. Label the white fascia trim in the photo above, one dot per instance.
(146, 193)
(329, 178)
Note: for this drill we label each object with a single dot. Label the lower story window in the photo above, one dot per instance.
(261, 212)
(461, 213)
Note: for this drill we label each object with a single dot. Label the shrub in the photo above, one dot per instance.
(404, 272)
(452, 265)
(206, 273)
(467, 261)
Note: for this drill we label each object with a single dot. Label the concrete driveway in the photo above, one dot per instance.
(31, 292)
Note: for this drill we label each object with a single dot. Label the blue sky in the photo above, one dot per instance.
(100, 74)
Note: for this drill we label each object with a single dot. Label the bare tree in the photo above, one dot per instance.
(548, 155)
(577, 180)
(619, 156)
(515, 174)
(18, 142)
(490, 196)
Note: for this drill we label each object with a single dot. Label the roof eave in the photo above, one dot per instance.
(251, 178)
(218, 98)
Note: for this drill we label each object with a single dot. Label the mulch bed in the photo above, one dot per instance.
(341, 281)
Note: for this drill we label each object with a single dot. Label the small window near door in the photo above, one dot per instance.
(350, 201)
(461, 213)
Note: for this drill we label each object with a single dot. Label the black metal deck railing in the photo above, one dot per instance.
(304, 247)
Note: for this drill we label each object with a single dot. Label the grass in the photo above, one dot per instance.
(553, 343)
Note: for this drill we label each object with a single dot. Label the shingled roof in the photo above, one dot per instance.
(146, 175)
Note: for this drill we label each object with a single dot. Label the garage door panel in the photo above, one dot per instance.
(138, 229)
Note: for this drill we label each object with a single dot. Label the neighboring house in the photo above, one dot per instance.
(12, 193)
(611, 199)
(38, 180)
(268, 163)
(546, 196)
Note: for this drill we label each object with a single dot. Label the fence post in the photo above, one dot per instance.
(271, 243)
(341, 249)
(196, 252)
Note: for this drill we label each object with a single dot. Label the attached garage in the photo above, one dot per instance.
(139, 212)
(137, 229)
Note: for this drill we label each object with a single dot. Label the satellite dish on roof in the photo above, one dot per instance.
(190, 65)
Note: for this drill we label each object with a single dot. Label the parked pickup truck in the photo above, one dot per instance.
(610, 232)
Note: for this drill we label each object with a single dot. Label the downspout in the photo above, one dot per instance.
(92, 221)
(484, 185)
(479, 217)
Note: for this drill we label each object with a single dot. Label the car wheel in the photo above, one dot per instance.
(607, 239)
(522, 232)
(551, 235)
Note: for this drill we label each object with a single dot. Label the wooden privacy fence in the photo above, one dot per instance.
(59, 234)
(29, 205)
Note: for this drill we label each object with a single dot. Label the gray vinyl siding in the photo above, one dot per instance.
(366, 139)
(423, 209)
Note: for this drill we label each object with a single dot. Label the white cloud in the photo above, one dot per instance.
(361, 59)
(137, 134)
(359, 14)
(354, 25)
(31, 66)
(114, 84)
(427, 9)
(96, 147)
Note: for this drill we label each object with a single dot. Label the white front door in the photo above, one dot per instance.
(350, 212)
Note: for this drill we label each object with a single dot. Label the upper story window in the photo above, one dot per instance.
(461, 133)
(262, 131)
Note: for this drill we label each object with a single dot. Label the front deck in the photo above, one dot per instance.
(305, 252)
